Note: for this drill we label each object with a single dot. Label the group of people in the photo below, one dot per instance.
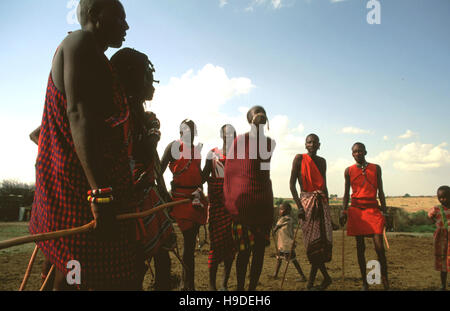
(97, 158)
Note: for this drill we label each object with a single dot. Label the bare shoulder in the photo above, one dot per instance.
(78, 40)
(322, 160)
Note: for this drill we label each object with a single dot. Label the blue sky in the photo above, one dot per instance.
(315, 65)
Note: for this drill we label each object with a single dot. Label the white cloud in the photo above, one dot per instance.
(408, 134)
(415, 157)
(385, 138)
(337, 1)
(354, 130)
(200, 96)
(222, 3)
(274, 4)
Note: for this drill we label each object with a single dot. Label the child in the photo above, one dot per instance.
(284, 232)
(441, 215)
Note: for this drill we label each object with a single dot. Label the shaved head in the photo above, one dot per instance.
(87, 7)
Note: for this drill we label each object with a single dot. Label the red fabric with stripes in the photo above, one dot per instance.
(312, 180)
(220, 234)
(61, 189)
(247, 188)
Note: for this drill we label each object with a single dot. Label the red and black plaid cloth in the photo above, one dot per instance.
(61, 187)
(221, 239)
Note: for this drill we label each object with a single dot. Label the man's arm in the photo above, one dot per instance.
(346, 198)
(325, 176)
(295, 172)
(380, 190)
(207, 168)
(81, 73)
(167, 157)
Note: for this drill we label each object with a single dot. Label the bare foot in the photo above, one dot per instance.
(325, 283)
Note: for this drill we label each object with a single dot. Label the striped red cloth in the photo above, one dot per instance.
(364, 215)
(247, 185)
(61, 187)
(221, 239)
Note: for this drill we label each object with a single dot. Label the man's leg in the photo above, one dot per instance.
(326, 277)
(312, 276)
(257, 263)
(361, 249)
(228, 264)
(444, 280)
(379, 248)
(212, 276)
(241, 268)
(188, 256)
(162, 270)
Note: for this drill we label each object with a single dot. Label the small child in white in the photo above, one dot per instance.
(284, 236)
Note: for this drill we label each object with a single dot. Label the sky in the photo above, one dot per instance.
(316, 66)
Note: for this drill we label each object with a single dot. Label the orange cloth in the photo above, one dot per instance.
(364, 215)
(312, 180)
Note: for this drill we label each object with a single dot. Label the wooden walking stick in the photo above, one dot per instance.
(86, 228)
(49, 274)
(385, 238)
(343, 255)
(289, 258)
(30, 266)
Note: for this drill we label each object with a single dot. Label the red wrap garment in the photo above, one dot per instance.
(312, 179)
(61, 202)
(220, 234)
(154, 230)
(247, 185)
(364, 215)
(187, 178)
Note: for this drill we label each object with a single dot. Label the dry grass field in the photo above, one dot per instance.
(413, 204)
(410, 260)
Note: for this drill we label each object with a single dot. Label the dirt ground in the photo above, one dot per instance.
(410, 262)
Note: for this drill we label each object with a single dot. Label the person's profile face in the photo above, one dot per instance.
(312, 144)
(113, 24)
(359, 153)
(186, 134)
(444, 197)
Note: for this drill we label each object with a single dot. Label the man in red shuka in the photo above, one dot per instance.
(184, 160)
(365, 216)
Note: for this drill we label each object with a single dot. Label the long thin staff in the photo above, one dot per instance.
(30, 265)
(343, 255)
(289, 258)
(47, 278)
(84, 228)
(385, 238)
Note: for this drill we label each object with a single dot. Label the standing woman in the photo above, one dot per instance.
(249, 197)
(184, 160)
(221, 239)
(313, 211)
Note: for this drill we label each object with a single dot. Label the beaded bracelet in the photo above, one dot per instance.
(104, 200)
(154, 131)
(96, 192)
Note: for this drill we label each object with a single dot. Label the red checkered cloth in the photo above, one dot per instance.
(61, 187)
(221, 239)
